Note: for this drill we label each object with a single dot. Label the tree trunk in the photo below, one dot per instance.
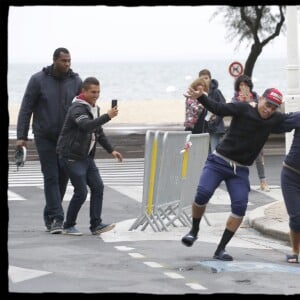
(256, 50)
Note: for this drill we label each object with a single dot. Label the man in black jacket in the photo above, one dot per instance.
(48, 95)
(214, 124)
(76, 148)
(247, 133)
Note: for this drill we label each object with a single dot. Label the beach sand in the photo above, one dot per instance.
(133, 112)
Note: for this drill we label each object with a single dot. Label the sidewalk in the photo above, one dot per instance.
(271, 219)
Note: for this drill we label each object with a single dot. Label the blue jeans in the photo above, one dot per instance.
(55, 179)
(84, 173)
(237, 182)
(290, 186)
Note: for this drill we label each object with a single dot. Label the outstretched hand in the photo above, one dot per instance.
(117, 155)
(194, 94)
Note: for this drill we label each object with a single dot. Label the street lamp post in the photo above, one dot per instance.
(292, 99)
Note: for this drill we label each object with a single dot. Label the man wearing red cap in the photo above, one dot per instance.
(248, 131)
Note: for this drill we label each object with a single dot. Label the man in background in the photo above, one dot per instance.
(215, 124)
(48, 95)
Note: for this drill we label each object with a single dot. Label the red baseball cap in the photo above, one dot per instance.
(273, 96)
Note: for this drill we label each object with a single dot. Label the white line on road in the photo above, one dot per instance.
(196, 286)
(173, 275)
(153, 264)
(17, 274)
(123, 248)
(136, 255)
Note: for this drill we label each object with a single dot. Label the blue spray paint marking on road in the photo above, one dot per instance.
(249, 266)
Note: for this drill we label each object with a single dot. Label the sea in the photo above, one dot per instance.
(153, 80)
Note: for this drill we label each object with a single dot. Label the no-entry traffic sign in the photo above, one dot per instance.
(236, 69)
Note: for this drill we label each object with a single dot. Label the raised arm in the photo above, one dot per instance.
(218, 108)
(291, 122)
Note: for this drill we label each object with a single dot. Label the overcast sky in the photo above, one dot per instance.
(104, 33)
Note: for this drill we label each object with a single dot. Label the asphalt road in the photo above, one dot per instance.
(143, 261)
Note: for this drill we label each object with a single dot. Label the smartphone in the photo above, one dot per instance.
(114, 103)
(245, 91)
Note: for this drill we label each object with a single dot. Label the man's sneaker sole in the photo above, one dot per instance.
(107, 228)
(71, 233)
(56, 231)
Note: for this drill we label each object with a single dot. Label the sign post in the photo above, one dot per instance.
(236, 69)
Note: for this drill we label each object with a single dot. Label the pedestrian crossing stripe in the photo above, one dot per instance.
(129, 172)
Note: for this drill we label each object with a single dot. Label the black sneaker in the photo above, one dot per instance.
(189, 239)
(223, 255)
(56, 227)
(103, 228)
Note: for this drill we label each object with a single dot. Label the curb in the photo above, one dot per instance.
(258, 221)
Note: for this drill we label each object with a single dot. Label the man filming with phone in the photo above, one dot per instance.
(114, 103)
(76, 148)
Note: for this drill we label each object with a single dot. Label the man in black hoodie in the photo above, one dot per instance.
(246, 135)
(215, 124)
(48, 95)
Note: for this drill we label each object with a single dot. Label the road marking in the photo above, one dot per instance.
(136, 255)
(196, 286)
(127, 173)
(153, 264)
(124, 248)
(17, 274)
(14, 196)
(173, 275)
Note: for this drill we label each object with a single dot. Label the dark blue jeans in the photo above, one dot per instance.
(55, 179)
(84, 173)
(290, 186)
(237, 182)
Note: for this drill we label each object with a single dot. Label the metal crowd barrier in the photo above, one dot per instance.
(193, 163)
(170, 177)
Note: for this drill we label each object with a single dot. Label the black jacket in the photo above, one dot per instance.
(76, 135)
(47, 98)
(216, 126)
